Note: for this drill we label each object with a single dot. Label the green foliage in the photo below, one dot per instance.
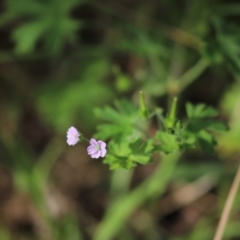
(126, 154)
(67, 228)
(200, 125)
(48, 21)
(121, 121)
(75, 98)
(162, 51)
(230, 105)
(224, 48)
(128, 146)
(125, 127)
(168, 142)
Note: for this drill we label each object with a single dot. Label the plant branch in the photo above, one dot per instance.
(193, 73)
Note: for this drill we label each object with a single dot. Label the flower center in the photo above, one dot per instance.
(97, 147)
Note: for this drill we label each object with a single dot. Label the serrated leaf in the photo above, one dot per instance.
(216, 126)
(142, 151)
(142, 159)
(139, 145)
(206, 141)
(200, 111)
(168, 142)
(121, 121)
(118, 162)
(201, 123)
(118, 156)
(188, 140)
(106, 131)
(47, 21)
(127, 154)
(196, 125)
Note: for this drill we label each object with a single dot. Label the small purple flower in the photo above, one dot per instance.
(97, 148)
(72, 136)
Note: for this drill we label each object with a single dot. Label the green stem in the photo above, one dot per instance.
(193, 73)
(120, 210)
(49, 157)
(120, 183)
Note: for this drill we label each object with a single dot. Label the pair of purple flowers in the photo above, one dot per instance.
(96, 148)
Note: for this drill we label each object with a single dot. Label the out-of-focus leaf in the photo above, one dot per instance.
(228, 9)
(206, 141)
(123, 83)
(49, 17)
(200, 111)
(201, 122)
(27, 35)
(67, 228)
(225, 47)
(228, 144)
(139, 42)
(25, 8)
(62, 104)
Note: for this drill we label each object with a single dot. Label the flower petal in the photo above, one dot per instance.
(96, 155)
(91, 150)
(103, 152)
(102, 144)
(93, 141)
(73, 130)
(72, 136)
(71, 141)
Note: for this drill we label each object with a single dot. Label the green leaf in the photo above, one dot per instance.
(201, 123)
(216, 125)
(27, 35)
(118, 156)
(127, 154)
(49, 21)
(228, 37)
(142, 159)
(142, 151)
(200, 111)
(206, 141)
(168, 142)
(121, 121)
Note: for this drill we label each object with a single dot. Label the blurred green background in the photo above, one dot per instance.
(59, 60)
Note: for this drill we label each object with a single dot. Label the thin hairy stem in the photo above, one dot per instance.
(227, 207)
